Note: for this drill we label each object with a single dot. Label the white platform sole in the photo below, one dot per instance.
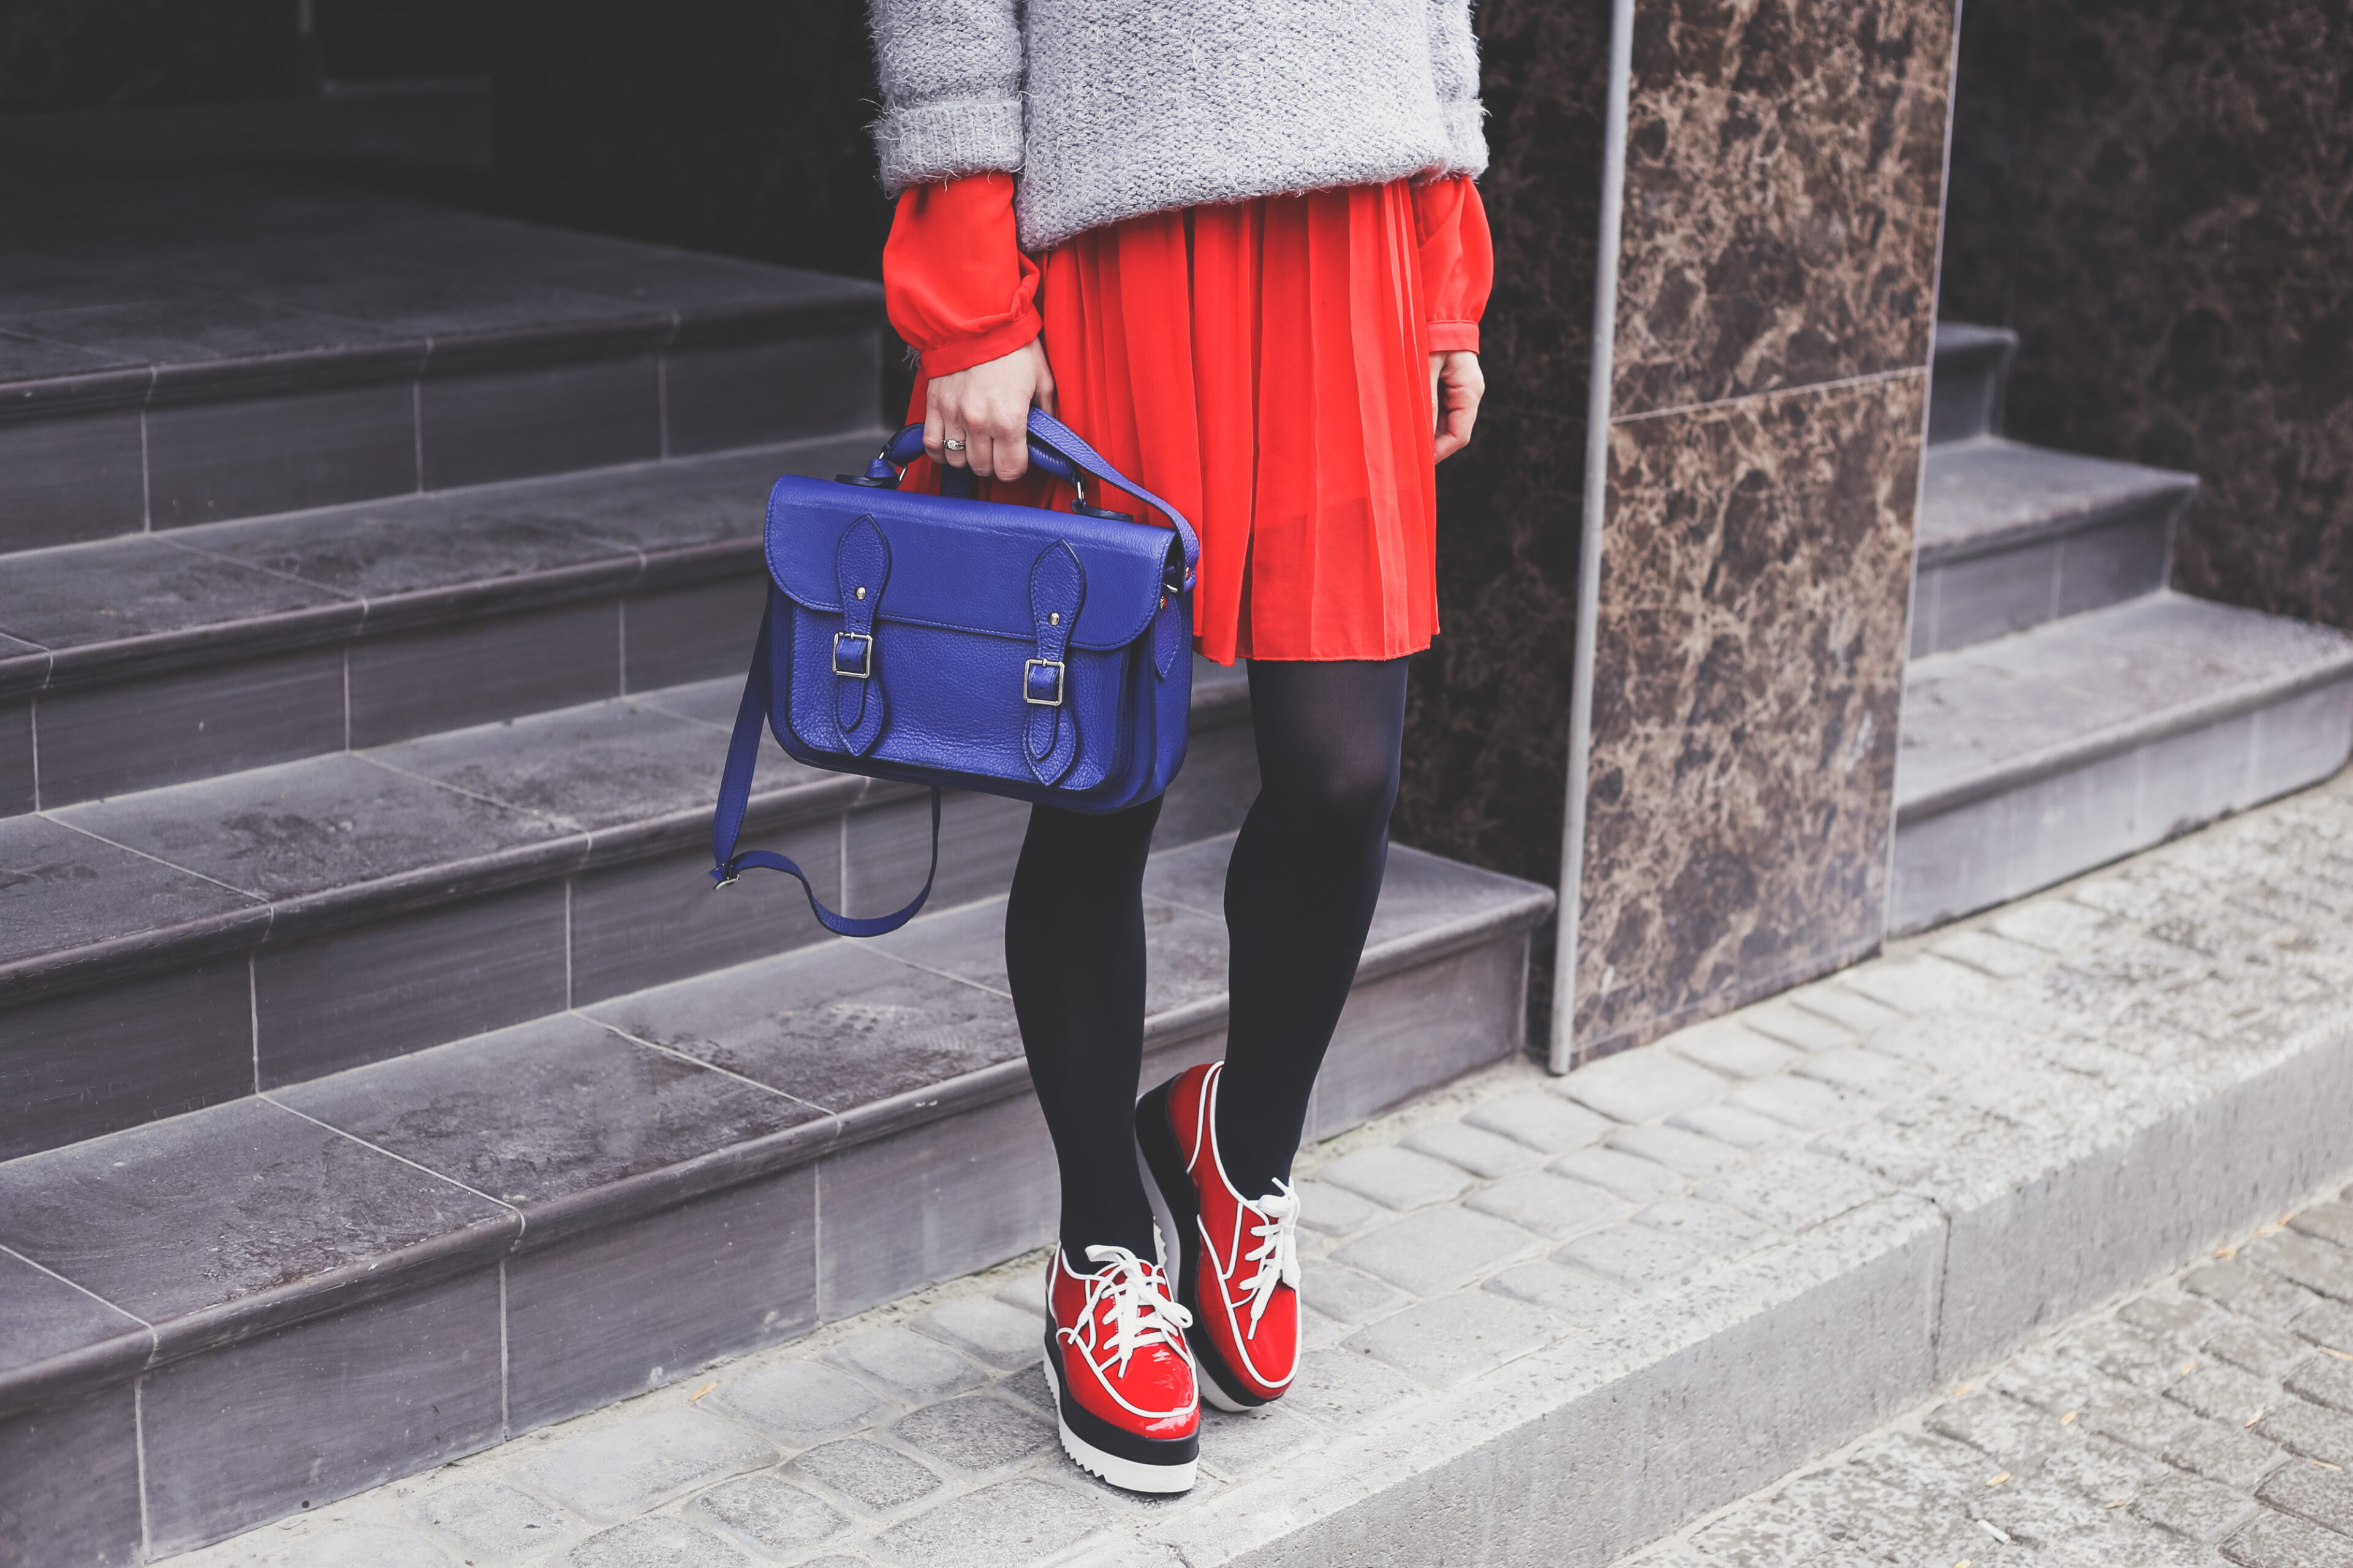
(1128, 1475)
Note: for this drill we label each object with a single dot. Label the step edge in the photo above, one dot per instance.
(525, 1228)
(77, 1372)
(2164, 724)
(2168, 491)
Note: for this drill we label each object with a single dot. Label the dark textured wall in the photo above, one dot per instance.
(2159, 196)
(116, 54)
(1783, 180)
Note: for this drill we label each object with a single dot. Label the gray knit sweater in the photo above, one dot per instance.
(1114, 108)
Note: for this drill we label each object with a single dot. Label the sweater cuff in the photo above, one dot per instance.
(1466, 137)
(1445, 337)
(995, 343)
(944, 141)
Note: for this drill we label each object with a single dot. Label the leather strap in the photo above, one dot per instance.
(1058, 587)
(861, 566)
(736, 794)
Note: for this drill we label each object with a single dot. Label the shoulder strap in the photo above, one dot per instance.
(735, 793)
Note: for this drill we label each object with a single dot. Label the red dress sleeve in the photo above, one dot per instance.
(1457, 258)
(955, 280)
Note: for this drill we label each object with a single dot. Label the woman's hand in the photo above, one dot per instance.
(1455, 387)
(987, 409)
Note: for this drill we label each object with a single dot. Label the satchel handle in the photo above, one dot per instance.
(1062, 452)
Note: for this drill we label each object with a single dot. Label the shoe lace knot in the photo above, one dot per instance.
(1277, 1252)
(1132, 1298)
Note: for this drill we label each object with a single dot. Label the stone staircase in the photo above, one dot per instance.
(379, 1077)
(2063, 706)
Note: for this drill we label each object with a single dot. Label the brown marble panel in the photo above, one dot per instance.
(1749, 662)
(1784, 168)
(2154, 196)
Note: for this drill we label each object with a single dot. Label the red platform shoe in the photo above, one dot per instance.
(1238, 1260)
(1125, 1391)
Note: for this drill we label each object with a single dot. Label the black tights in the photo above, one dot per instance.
(1300, 892)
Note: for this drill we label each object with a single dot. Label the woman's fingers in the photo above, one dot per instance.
(1461, 387)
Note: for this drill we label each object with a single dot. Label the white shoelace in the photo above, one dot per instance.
(1142, 1312)
(1277, 1253)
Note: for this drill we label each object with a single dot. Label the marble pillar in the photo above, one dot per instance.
(1783, 180)
(2154, 197)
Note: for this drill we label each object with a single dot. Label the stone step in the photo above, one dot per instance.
(2011, 536)
(262, 324)
(1968, 370)
(1549, 1321)
(185, 946)
(313, 1289)
(2028, 760)
(131, 663)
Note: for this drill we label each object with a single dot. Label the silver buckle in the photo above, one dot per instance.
(1053, 664)
(865, 656)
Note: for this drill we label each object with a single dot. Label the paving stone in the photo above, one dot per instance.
(1636, 1180)
(2331, 1222)
(491, 1521)
(771, 1514)
(632, 1466)
(1638, 1258)
(1338, 1291)
(916, 1369)
(1014, 1522)
(1436, 1250)
(2325, 1380)
(1850, 1009)
(1995, 956)
(1792, 1190)
(2324, 1497)
(1765, 1537)
(1572, 1295)
(1728, 1047)
(2224, 1392)
(2309, 1430)
(2037, 1513)
(1641, 1086)
(2015, 1436)
(2222, 1452)
(2261, 1350)
(1396, 1178)
(2194, 1507)
(1867, 1072)
(1550, 1205)
(362, 1546)
(2054, 925)
(657, 1542)
(1854, 1507)
(2047, 1378)
(1806, 1028)
(2102, 1468)
(1334, 1211)
(2260, 1296)
(2168, 1313)
(2135, 1416)
(1741, 1129)
(802, 1401)
(1685, 1153)
(1028, 1292)
(1003, 1336)
(2327, 1323)
(1341, 1387)
(1799, 1102)
(1243, 1443)
(1029, 1386)
(2120, 1350)
(2309, 1261)
(975, 1432)
(1545, 1122)
(867, 1472)
(2283, 1541)
(1921, 985)
(1455, 1337)
(1481, 1152)
(1711, 1227)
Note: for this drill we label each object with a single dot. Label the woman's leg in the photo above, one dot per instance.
(1300, 892)
(1075, 953)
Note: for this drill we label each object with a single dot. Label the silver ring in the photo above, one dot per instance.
(953, 445)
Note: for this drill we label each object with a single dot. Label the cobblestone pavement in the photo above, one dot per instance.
(1513, 1225)
(2206, 1420)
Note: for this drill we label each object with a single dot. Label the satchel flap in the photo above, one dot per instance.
(964, 565)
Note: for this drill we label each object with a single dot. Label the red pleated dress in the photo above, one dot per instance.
(1263, 365)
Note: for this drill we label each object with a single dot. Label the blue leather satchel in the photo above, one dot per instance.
(964, 643)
